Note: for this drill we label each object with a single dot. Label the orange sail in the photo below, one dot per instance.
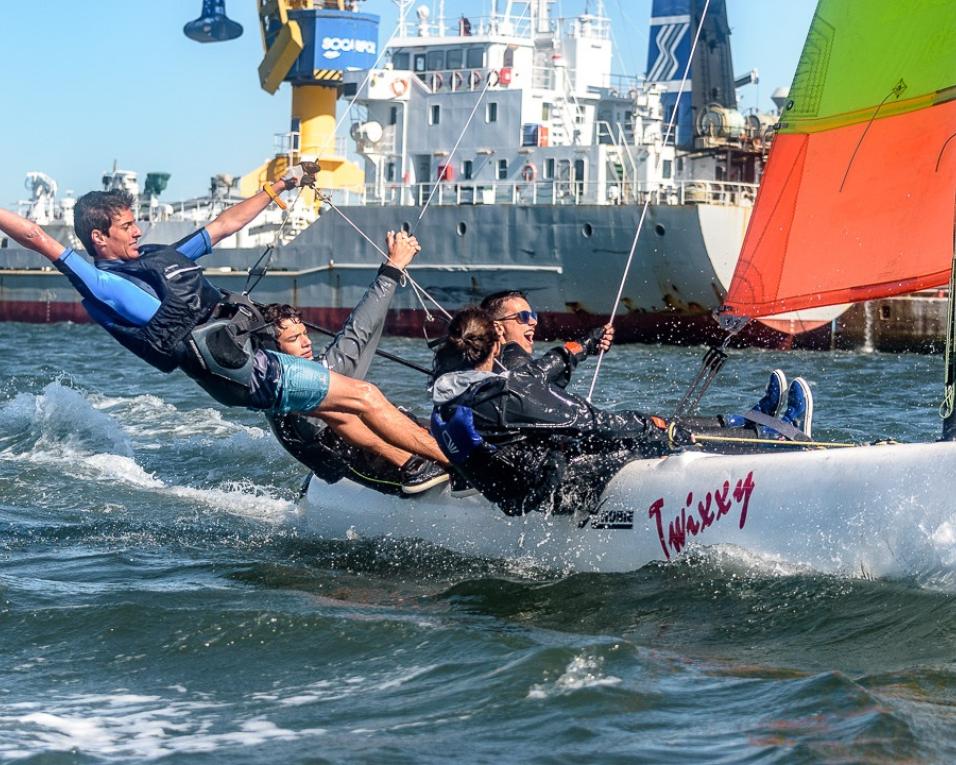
(858, 198)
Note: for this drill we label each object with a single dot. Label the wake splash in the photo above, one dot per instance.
(94, 440)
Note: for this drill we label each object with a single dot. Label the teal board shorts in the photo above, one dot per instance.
(303, 384)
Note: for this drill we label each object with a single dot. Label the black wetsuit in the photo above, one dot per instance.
(551, 450)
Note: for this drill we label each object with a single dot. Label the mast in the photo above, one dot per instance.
(948, 408)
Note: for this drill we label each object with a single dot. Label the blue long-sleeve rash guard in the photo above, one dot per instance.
(134, 301)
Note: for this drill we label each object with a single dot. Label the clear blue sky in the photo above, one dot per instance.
(90, 81)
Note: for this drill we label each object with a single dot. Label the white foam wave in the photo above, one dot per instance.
(57, 420)
(131, 727)
(239, 498)
(581, 672)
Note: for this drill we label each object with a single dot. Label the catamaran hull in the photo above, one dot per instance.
(873, 510)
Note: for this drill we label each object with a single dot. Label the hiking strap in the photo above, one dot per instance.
(775, 423)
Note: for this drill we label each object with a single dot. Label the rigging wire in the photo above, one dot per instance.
(270, 249)
(420, 293)
(647, 201)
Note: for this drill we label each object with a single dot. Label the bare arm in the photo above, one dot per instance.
(240, 215)
(30, 235)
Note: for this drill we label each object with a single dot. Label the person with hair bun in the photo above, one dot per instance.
(520, 439)
(517, 436)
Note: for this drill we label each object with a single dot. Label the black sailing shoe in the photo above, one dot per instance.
(420, 474)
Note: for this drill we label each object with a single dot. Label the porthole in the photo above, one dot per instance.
(461, 228)
(660, 230)
(586, 230)
(407, 227)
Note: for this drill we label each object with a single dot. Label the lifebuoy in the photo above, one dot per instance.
(504, 76)
(437, 81)
(492, 77)
(475, 79)
(399, 87)
(529, 173)
(457, 81)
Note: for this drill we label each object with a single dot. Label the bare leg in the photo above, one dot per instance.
(352, 429)
(380, 415)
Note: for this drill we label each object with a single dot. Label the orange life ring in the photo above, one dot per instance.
(492, 74)
(475, 78)
(529, 173)
(457, 81)
(437, 81)
(399, 87)
(504, 76)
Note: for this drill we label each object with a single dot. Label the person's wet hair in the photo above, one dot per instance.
(95, 212)
(275, 313)
(471, 338)
(494, 303)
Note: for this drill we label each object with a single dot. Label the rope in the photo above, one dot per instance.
(774, 442)
(647, 202)
(269, 251)
(418, 290)
(461, 135)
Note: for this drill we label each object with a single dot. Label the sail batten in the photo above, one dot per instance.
(858, 195)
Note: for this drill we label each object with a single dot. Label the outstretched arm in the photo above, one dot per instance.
(30, 235)
(241, 215)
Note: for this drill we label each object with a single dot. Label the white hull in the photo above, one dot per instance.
(872, 510)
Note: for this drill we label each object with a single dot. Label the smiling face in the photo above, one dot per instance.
(510, 329)
(292, 337)
(121, 240)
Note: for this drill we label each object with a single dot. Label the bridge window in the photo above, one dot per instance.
(549, 169)
(475, 58)
(456, 57)
(502, 169)
(436, 60)
(400, 60)
(419, 62)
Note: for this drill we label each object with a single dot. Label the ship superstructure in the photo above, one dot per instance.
(533, 159)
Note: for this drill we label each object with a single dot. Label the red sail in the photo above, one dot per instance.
(858, 198)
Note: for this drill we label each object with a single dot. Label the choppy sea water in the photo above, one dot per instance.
(156, 606)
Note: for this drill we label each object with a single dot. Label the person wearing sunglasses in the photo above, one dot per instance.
(516, 323)
(523, 441)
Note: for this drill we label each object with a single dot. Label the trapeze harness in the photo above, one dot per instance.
(198, 328)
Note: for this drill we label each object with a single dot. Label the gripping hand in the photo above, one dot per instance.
(302, 174)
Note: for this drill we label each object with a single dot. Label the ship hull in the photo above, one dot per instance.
(568, 260)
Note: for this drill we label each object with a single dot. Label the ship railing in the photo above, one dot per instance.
(466, 26)
(554, 192)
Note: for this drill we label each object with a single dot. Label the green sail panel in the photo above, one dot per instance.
(866, 59)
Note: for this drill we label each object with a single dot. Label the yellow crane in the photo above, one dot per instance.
(307, 43)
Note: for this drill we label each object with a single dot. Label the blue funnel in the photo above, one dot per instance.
(212, 25)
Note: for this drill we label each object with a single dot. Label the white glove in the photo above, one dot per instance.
(302, 174)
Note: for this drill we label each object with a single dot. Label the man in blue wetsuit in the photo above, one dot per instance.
(156, 302)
